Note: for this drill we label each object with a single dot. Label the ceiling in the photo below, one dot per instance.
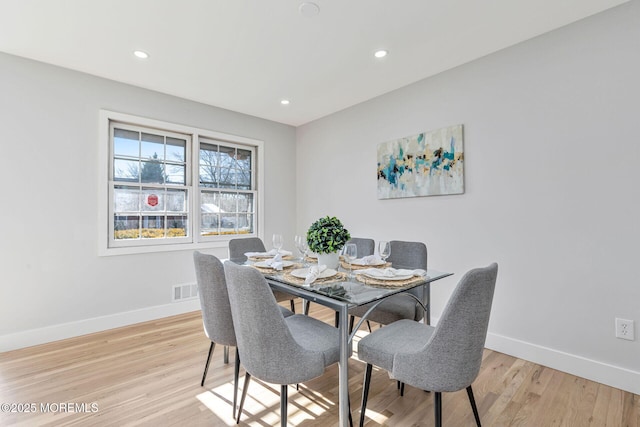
(248, 55)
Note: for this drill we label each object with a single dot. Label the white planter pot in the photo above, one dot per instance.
(330, 260)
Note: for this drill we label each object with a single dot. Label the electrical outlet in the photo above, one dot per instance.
(624, 329)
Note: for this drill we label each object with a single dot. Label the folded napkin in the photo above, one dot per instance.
(370, 260)
(392, 272)
(275, 262)
(314, 272)
(272, 252)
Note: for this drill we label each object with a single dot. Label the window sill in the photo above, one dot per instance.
(131, 250)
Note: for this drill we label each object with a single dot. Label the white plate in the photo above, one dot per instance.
(267, 254)
(301, 273)
(361, 263)
(381, 277)
(263, 264)
(262, 256)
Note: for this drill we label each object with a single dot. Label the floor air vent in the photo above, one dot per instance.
(184, 292)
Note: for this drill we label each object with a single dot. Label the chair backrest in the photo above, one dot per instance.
(451, 359)
(214, 299)
(411, 255)
(238, 247)
(267, 348)
(365, 246)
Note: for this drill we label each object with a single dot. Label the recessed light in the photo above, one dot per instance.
(380, 53)
(285, 102)
(309, 9)
(141, 54)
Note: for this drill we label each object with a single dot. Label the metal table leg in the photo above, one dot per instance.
(427, 302)
(343, 370)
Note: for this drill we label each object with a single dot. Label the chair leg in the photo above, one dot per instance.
(473, 406)
(293, 305)
(283, 405)
(206, 366)
(369, 326)
(352, 319)
(306, 305)
(236, 374)
(247, 378)
(337, 322)
(438, 408)
(226, 354)
(365, 392)
(400, 386)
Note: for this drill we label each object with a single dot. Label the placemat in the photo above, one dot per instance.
(262, 258)
(271, 270)
(361, 267)
(339, 277)
(387, 283)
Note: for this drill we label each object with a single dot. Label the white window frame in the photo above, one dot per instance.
(195, 241)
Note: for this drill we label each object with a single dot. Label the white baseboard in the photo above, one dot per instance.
(96, 324)
(614, 376)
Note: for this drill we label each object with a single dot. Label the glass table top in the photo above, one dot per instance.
(353, 291)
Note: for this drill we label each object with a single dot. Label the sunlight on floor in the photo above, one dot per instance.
(262, 404)
(219, 401)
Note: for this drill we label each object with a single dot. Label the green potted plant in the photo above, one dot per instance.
(326, 237)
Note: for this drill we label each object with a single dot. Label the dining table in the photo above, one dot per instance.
(343, 288)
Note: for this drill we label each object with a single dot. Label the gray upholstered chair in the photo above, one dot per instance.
(216, 312)
(443, 358)
(238, 248)
(275, 349)
(411, 255)
(365, 246)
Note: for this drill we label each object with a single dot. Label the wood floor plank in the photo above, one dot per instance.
(149, 374)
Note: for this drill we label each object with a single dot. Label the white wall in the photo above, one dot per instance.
(54, 284)
(551, 177)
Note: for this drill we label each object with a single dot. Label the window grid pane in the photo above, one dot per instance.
(225, 212)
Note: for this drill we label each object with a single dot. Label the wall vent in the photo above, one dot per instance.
(184, 292)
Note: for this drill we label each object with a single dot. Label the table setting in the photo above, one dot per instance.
(369, 261)
(270, 264)
(314, 274)
(261, 256)
(389, 277)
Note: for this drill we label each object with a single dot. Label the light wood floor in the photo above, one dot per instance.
(149, 374)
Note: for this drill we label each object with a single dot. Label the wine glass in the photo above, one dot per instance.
(277, 242)
(302, 246)
(384, 250)
(350, 253)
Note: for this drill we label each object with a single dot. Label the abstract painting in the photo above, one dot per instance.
(426, 164)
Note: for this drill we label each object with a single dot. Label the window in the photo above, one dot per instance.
(149, 185)
(171, 185)
(226, 189)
